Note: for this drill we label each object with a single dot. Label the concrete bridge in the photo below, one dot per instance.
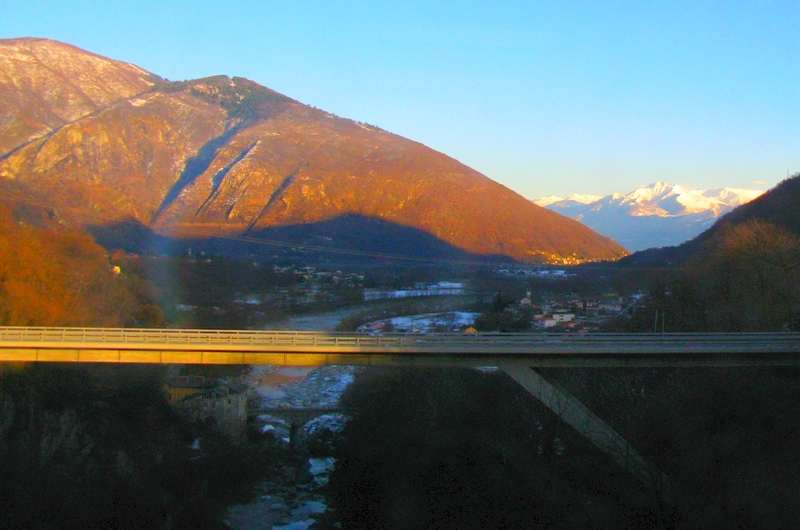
(518, 355)
(186, 346)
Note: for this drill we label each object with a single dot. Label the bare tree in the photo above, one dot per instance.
(755, 272)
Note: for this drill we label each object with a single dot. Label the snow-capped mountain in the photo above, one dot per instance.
(657, 215)
(544, 202)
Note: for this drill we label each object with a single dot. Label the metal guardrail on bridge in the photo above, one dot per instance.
(484, 344)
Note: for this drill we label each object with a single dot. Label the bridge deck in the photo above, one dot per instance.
(186, 346)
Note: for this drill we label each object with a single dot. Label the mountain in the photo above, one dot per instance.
(46, 84)
(778, 206)
(658, 215)
(740, 275)
(575, 198)
(103, 144)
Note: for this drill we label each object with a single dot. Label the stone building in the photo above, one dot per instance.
(200, 399)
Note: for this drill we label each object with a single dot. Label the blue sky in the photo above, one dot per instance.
(544, 97)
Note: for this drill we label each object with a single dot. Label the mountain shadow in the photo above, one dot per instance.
(129, 235)
(349, 237)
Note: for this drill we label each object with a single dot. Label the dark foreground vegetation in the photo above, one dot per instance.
(742, 274)
(447, 448)
(746, 277)
(99, 447)
(728, 438)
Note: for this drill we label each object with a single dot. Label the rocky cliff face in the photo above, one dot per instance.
(220, 156)
(45, 84)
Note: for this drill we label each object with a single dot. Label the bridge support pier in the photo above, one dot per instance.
(574, 413)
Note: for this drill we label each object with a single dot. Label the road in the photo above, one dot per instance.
(183, 346)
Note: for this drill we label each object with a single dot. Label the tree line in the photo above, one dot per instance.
(747, 278)
(86, 446)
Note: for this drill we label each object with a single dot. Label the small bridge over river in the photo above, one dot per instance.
(298, 348)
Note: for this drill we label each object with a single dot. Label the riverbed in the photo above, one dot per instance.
(294, 502)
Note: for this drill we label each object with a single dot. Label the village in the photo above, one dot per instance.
(571, 313)
(370, 301)
(298, 408)
(376, 298)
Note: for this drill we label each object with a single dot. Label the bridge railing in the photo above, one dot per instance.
(440, 341)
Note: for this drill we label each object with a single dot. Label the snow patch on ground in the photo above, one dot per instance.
(334, 423)
(294, 506)
(271, 393)
(319, 466)
(322, 388)
(423, 322)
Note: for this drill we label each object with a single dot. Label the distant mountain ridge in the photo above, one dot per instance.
(103, 144)
(658, 215)
(779, 206)
(740, 275)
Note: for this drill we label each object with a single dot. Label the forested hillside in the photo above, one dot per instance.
(50, 278)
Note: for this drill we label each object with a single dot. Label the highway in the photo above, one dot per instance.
(516, 354)
(189, 346)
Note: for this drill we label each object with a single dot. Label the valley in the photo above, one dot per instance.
(131, 200)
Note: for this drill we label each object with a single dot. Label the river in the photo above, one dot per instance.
(461, 448)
